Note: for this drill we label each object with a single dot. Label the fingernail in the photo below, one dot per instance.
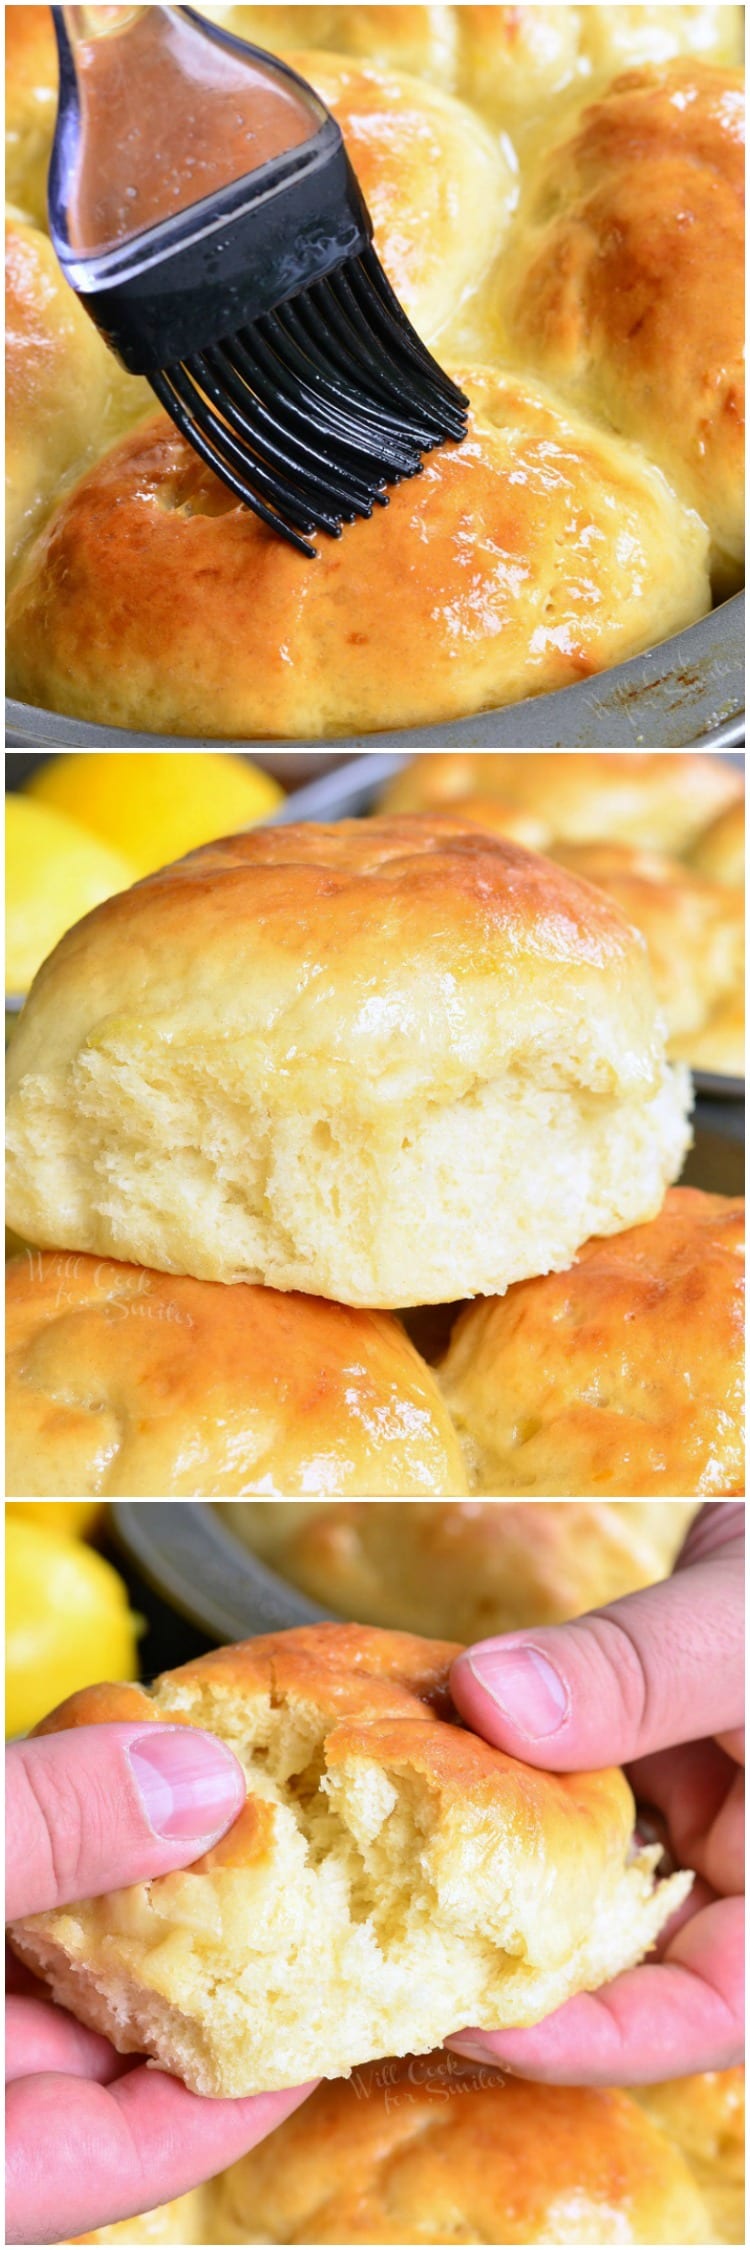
(525, 1687)
(190, 1785)
(472, 2047)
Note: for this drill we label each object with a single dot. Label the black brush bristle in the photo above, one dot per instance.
(259, 313)
(312, 410)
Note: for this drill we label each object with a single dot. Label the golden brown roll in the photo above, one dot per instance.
(719, 852)
(516, 823)
(625, 287)
(695, 933)
(440, 188)
(30, 108)
(534, 553)
(432, 2150)
(503, 60)
(467, 1568)
(124, 1381)
(379, 1062)
(705, 2118)
(66, 396)
(511, 62)
(662, 798)
(390, 1878)
(407, 140)
(624, 1375)
(616, 38)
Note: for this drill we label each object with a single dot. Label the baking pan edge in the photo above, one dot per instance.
(685, 692)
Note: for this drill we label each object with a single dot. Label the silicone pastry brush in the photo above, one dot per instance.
(203, 207)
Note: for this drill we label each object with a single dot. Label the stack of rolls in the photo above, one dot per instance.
(307, 1078)
(556, 196)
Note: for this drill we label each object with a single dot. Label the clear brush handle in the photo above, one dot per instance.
(160, 110)
(195, 180)
(94, 23)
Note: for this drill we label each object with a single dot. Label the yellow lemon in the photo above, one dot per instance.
(67, 1622)
(157, 804)
(76, 1517)
(54, 873)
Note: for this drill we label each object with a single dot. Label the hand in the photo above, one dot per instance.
(93, 2136)
(654, 1683)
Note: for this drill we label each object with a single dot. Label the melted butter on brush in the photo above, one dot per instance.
(167, 117)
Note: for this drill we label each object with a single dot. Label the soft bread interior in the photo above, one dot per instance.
(356, 1908)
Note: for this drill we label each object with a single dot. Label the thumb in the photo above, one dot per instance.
(660, 1667)
(92, 1809)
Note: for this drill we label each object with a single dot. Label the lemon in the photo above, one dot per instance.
(67, 1622)
(54, 873)
(157, 804)
(76, 1517)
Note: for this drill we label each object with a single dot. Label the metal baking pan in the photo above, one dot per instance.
(184, 1551)
(687, 692)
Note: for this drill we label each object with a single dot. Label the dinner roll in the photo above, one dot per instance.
(511, 62)
(615, 38)
(30, 107)
(625, 285)
(505, 61)
(514, 822)
(126, 1381)
(623, 1375)
(466, 1568)
(663, 798)
(694, 931)
(719, 852)
(185, 2220)
(435, 2151)
(390, 1878)
(439, 186)
(533, 553)
(705, 2118)
(514, 62)
(66, 397)
(384, 1061)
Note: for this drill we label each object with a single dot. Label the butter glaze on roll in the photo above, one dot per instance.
(512, 62)
(390, 1877)
(624, 1375)
(67, 398)
(138, 1383)
(31, 80)
(439, 186)
(538, 551)
(625, 286)
(386, 1062)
